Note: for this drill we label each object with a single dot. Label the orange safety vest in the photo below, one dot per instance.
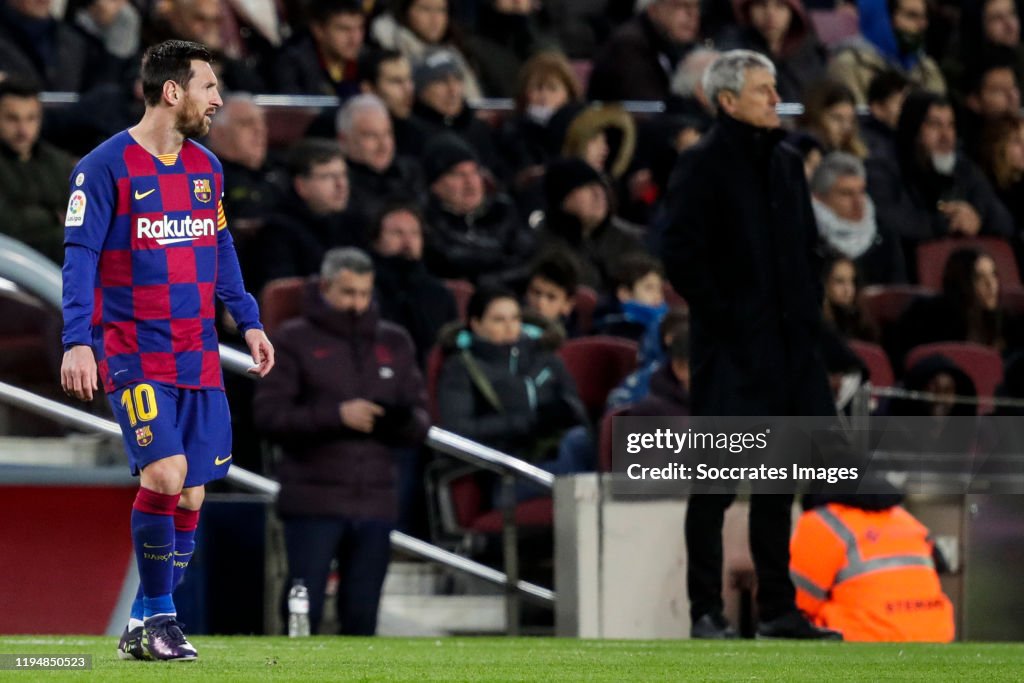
(870, 575)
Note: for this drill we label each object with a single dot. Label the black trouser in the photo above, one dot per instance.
(363, 549)
(770, 520)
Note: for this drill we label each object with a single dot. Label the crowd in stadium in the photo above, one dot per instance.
(495, 234)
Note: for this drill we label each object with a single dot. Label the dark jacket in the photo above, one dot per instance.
(879, 138)
(298, 70)
(538, 398)
(637, 63)
(371, 189)
(802, 60)
(906, 192)
(739, 245)
(411, 297)
(323, 359)
(467, 126)
(294, 241)
(489, 242)
(34, 197)
(598, 252)
(55, 55)
(938, 319)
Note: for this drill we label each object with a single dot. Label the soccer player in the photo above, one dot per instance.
(146, 252)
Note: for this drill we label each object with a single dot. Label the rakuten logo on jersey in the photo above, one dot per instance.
(170, 230)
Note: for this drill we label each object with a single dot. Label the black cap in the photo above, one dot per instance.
(565, 175)
(444, 152)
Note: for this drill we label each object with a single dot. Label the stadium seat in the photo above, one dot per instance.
(435, 360)
(586, 302)
(879, 369)
(464, 507)
(982, 364)
(582, 69)
(884, 304)
(932, 257)
(281, 300)
(598, 364)
(287, 125)
(462, 290)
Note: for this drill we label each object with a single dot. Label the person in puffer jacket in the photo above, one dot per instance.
(502, 385)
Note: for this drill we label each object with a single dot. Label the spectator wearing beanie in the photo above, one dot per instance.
(470, 234)
(578, 218)
(441, 107)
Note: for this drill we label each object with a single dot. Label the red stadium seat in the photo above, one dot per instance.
(932, 257)
(464, 508)
(884, 304)
(435, 360)
(462, 290)
(598, 364)
(582, 69)
(1012, 299)
(982, 364)
(586, 302)
(281, 300)
(879, 368)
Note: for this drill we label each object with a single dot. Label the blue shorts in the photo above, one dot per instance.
(158, 421)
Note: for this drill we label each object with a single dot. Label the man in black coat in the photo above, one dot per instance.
(406, 293)
(348, 395)
(739, 245)
(376, 172)
(311, 220)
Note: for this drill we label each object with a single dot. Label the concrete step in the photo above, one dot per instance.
(441, 615)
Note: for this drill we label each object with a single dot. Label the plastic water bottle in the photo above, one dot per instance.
(298, 610)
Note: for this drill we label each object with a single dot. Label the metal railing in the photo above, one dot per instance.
(79, 419)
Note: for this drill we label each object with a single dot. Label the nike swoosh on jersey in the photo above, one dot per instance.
(143, 195)
(146, 545)
(218, 461)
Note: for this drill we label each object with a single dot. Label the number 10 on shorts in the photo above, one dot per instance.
(139, 402)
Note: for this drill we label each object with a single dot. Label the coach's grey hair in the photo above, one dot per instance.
(345, 258)
(691, 70)
(833, 167)
(367, 102)
(728, 73)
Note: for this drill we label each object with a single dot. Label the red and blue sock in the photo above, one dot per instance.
(153, 536)
(185, 524)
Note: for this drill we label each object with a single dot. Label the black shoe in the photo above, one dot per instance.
(713, 627)
(794, 625)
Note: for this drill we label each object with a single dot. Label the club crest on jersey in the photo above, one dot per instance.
(202, 190)
(144, 435)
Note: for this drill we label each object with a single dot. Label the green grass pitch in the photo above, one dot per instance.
(327, 659)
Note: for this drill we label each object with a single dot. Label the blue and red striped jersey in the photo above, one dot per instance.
(163, 254)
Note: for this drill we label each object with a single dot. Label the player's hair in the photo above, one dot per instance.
(15, 87)
(370, 62)
(170, 60)
(366, 102)
(305, 154)
(391, 206)
(345, 258)
(634, 267)
(321, 11)
(728, 73)
(558, 267)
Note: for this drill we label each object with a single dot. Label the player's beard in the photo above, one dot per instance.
(191, 122)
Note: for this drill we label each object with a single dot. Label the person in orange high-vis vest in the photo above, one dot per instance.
(865, 567)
